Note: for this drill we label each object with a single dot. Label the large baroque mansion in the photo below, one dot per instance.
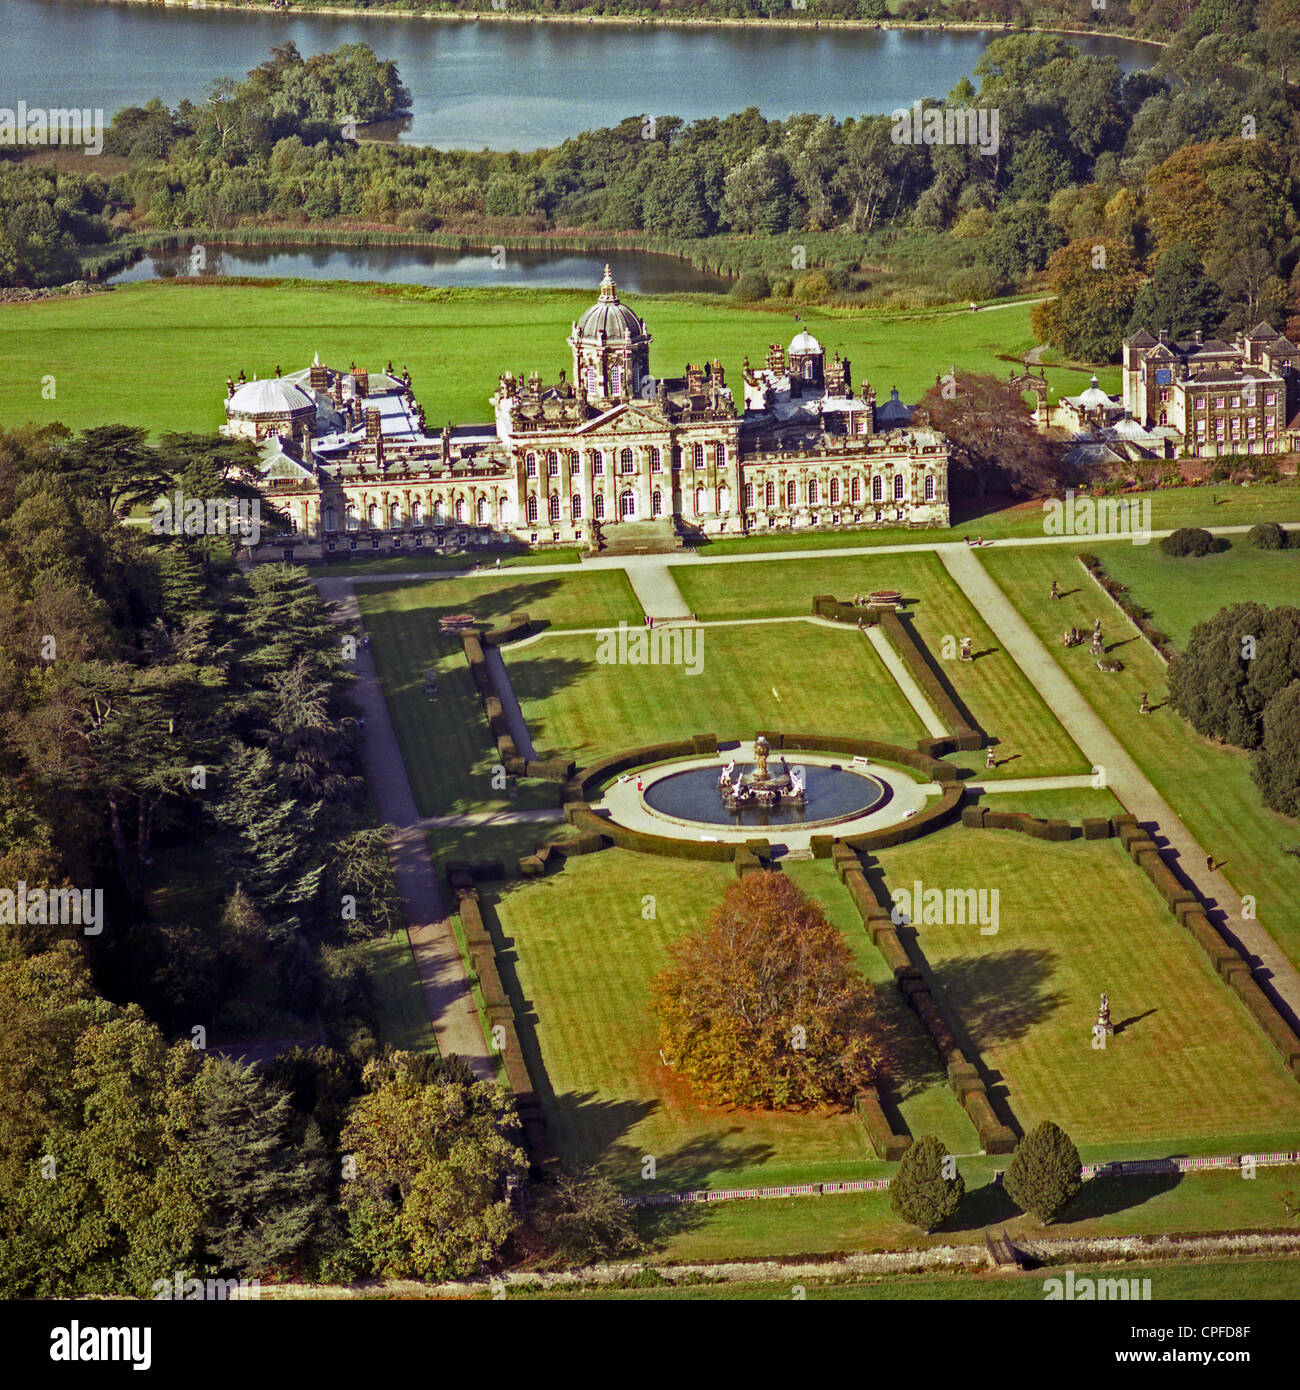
(346, 455)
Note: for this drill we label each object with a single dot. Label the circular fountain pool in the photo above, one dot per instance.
(833, 794)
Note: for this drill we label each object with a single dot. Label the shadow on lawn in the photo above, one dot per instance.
(702, 1162)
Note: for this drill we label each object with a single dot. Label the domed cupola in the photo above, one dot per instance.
(807, 359)
(611, 348)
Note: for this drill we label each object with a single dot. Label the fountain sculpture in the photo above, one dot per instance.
(758, 786)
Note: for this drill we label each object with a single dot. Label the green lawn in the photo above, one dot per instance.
(1181, 592)
(793, 677)
(182, 340)
(1208, 785)
(1276, 1279)
(992, 687)
(797, 1226)
(1076, 919)
(449, 755)
(403, 1016)
(581, 955)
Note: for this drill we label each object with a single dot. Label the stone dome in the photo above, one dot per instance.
(804, 342)
(270, 399)
(1094, 398)
(608, 315)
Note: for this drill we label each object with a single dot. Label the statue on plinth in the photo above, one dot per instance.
(1103, 1024)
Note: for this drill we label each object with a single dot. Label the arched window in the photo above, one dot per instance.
(792, 493)
(553, 508)
(417, 513)
(395, 516)
(769, 496)
(577, 507)
(331, 519)
(748, 496)
(553, 464)
(506, 511)
(439, 512)
(372, 516)
(598, 463)
(626, 463)
(724, 500)
(615, 380)
(350, 517)
(699, 501)
(855, 491)
(530, 465)
(656, 461)
(656, 503)
(459, 511)
(877, 490)
(697, 455)
(898, 487)
(575, 462)
(481, 511)
(627, 504)
(593, 382)
(808, 368)
(531, 511)
(598, 507)
(720, 455)
(814, 492)
(835, 492)
(929, 487)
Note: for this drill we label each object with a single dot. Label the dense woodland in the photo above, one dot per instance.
(176, 732)
(1190, 183)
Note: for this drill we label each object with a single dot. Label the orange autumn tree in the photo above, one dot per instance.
(765, 1007)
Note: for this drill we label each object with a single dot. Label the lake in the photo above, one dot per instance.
(493, 84)
(635, 272)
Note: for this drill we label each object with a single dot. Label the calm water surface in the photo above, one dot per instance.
(486, 84)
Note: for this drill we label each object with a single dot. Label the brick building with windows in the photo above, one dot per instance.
(347, 457)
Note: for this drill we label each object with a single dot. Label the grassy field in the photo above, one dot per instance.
(403, 1016)
(787, 676)
(1182, 592)
(992, 687)
(1208, 785)
(448, 752)
(792, 1227)
(1187, 1062)
(1277, 1279)
(581, 953)
(182, 340)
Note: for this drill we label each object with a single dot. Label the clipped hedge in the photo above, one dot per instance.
(515, 627)
(888, 1145)
(945, 810)
(581, 815)
(915, 658)
(1276, 1029)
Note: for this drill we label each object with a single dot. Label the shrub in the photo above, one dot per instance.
(812, 287)
(580, 1218)
(921, 1192)
(1189, 541)
(1045, 1172)
(1277, 759)
(782, 288)
(1268, 535)
(753, 285)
